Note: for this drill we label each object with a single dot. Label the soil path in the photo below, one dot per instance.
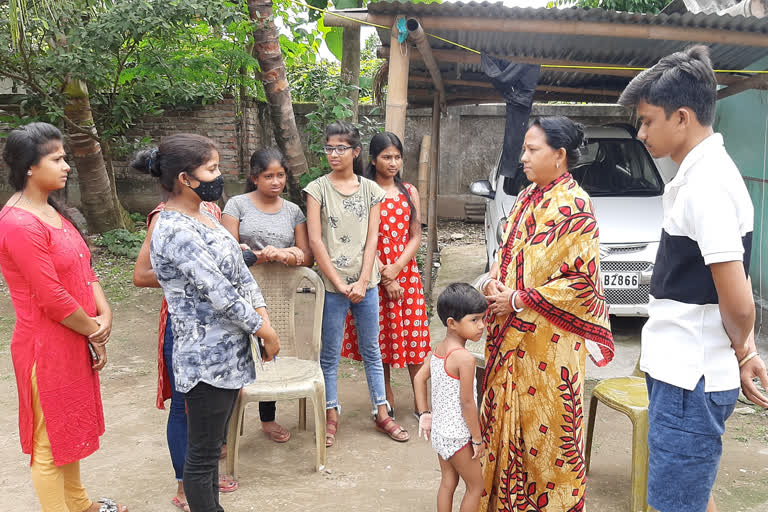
(366, 471)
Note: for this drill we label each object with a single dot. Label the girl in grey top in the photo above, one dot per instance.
(276, 230)
(209, 291)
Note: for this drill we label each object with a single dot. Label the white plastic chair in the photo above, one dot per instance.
(296, 373)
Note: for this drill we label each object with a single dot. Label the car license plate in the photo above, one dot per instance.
(621, 280)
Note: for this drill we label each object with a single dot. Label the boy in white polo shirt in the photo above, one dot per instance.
(698, 345)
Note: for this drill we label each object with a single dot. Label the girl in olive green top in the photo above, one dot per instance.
(343, 224)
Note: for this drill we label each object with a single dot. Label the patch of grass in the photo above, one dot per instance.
(115, 275)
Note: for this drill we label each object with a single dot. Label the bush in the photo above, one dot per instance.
(122, 242)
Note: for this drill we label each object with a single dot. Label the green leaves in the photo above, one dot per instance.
(641, 6)
(333, 40)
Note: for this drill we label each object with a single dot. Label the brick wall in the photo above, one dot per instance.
(470, 141)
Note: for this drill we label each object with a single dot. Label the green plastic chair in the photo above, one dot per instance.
(628, 395)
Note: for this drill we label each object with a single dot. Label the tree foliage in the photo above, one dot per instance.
(309, 80)
(641, 6)
(136, 56)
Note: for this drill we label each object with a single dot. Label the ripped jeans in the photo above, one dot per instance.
(366, 315)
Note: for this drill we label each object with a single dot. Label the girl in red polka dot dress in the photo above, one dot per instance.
(403, 325)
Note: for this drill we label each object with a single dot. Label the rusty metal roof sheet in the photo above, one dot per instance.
(633, 52)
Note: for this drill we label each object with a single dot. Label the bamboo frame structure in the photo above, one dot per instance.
(397, 87)
(434, 166)
(416, 35)
(569, 27)
(465, 57)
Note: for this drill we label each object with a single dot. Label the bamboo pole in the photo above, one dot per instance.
(465, 57)
(574, 28)
(545, 88)
(419, 97)
(397, 87)
(423, 178)
(416, 35)
(754, 82)
(434, 164)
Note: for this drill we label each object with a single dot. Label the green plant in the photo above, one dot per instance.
(122, 242)
(644, 6)
(333, 104)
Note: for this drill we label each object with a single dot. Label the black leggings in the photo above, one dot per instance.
(208, 412)
(267, 411)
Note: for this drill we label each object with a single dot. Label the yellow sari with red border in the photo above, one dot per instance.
(531, 412)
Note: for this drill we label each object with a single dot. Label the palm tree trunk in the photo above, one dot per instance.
(278, 93)
(350, 63)
(99, 201)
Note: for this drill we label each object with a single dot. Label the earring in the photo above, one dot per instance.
(29, 173)
(557, 165)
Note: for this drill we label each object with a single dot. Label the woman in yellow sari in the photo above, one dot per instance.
(546, 311)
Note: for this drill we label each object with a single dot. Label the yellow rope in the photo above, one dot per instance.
(454, 43)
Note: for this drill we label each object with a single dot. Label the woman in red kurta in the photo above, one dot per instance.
(60, 311)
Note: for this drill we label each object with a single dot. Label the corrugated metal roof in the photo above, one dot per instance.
(634, 52)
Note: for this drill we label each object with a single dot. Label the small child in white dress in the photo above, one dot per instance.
(454, 423)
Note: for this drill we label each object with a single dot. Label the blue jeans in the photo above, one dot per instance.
(366, 315)
(176, 432)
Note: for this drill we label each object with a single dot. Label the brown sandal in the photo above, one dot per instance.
(330, 432)
(392, 429)
(279, 434)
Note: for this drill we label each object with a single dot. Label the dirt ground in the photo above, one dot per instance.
(365, 471)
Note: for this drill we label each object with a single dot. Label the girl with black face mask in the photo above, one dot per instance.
(213, 302)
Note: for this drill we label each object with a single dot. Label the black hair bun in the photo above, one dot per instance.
(577, 139)
(146, 161)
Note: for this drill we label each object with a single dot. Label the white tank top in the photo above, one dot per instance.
(447, 417)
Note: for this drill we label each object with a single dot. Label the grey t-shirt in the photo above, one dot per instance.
(259, 229)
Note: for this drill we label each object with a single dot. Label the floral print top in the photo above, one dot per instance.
(344, 220)
(207, 286)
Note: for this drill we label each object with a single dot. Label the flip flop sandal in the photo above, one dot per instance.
(330, 435)
(393, 430)
(279, 435)
(108, 505)
(178, 503)
(227, 484)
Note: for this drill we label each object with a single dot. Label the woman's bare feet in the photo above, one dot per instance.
(275, 431)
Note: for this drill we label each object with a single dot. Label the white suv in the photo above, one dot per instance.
(626, 187)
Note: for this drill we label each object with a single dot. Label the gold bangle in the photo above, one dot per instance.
(746, 359)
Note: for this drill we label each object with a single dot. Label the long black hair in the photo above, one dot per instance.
(562, 132)
(379, 143)
(260, 160)
(183, 152)
(351, 135)
(24, 148)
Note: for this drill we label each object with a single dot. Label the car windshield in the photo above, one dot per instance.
(608, 167)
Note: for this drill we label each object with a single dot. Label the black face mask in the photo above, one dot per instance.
(210, 190)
